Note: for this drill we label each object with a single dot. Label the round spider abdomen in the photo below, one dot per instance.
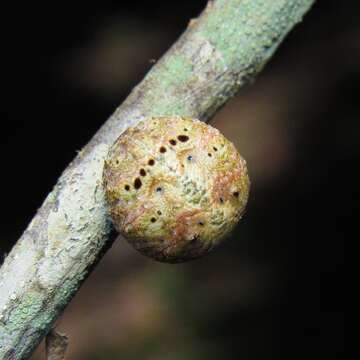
(176, 187)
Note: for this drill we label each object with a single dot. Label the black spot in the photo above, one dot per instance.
(236, 194)
(221, 200)
(209, 154)
(215, 148)
(159, 189)
(172, 142)
(185, 129)
(142, 172)
(163, 149)
(127, 187)
(201, 223)
(151, 162)
(137, 183)
(189, 157)
(183, 138)
(159, 212)
(152, 219)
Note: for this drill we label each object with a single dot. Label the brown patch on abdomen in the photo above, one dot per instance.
(185, 225)
(223, 183)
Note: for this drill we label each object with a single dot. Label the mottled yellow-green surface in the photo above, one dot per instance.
(175, 187)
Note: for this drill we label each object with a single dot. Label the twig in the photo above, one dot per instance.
(219, 52)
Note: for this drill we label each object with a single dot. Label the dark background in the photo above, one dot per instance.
(274, 291)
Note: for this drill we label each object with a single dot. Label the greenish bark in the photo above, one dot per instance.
(219, 52)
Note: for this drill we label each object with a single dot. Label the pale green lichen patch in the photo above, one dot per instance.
(73, 230)
(30, 306)
(175, 186)
(262, 26)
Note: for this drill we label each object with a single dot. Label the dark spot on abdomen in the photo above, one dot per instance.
(137, 183)
(183, 138)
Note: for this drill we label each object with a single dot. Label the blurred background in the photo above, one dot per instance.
(273, 291)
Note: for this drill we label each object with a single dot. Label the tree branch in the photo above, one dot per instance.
(219, 52)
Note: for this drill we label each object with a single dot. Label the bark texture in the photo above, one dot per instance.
(219, 52)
